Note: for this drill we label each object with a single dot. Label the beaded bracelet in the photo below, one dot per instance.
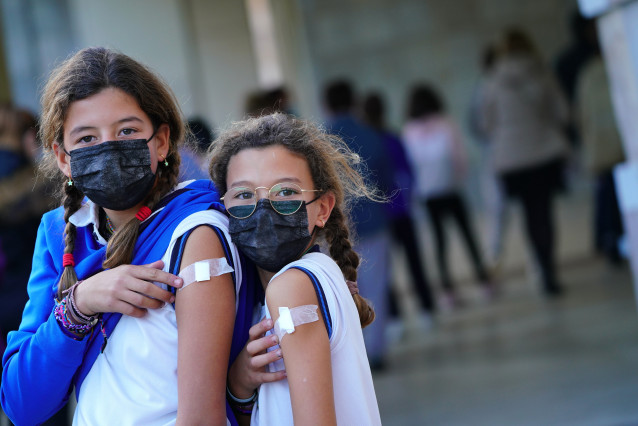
(75, 312)
(243, 406)
(61, 314)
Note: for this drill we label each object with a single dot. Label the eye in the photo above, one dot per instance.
(128, 132)
(285, 190)
(243, 194)
(86, 139)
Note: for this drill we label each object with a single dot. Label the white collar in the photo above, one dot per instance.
(89, 214)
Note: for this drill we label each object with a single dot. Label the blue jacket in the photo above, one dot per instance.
(42, 362)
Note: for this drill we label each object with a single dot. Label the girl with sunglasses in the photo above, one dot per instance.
(103, 312)
(285, 184)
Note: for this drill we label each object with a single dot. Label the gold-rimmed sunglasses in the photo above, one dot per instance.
(285, 198)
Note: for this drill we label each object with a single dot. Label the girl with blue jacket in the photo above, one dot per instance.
(106, 295)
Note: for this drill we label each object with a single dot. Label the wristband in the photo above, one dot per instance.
(243, 406)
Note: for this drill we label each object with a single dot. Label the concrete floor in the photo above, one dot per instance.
(522, 359)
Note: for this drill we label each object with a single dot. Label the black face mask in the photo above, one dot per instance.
(271, 240)
(115, 175)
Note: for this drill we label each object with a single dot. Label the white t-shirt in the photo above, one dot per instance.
(134, 382)
(354, 396)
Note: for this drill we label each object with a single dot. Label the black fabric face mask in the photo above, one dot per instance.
(271, 240)
(115, 175)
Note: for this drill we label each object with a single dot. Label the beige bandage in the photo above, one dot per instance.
(204, 270)
(291, 317)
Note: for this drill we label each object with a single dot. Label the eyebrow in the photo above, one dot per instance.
(121, 121)
(248, 184)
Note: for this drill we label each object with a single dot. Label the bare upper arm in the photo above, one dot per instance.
(205, 314)
(306, 352)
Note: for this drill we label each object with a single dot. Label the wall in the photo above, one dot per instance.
(202, 49)
(389, 44)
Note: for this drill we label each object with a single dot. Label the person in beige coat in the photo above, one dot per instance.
(524, 114)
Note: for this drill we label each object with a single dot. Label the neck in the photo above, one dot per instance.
(265, 276)
(119, 217)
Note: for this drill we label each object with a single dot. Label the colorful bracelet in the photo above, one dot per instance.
(61, 314)
(75, 312)
(243, 406)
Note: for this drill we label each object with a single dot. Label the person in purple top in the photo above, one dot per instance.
(371, 220)
(402, 226)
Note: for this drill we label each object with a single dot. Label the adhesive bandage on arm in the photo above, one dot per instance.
(291, 317)
(204, 270)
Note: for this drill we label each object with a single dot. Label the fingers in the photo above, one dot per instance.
(258, 362)
(150, 290)
(262, 344)
(272, 377)
(128, 309)
(147, 296)
(259, 329)
(153, 273)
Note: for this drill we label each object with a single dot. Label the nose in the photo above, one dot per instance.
(261, 192)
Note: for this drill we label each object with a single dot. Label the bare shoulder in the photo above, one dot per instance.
(291, 288)
(203, 243)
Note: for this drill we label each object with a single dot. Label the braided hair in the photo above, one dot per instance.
(82, 75)
(333, 167)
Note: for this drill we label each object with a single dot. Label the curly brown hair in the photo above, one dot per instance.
(333, 167)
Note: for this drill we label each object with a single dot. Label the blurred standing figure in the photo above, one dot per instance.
(404, 231)
(602, 150)
(493, 193)
(192, 151)
(370, 219)
(23, 200)
(433, 143)
(569, 64)
(524, 113)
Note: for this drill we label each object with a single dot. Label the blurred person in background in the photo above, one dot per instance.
(404, 231)
(370, 220)
(493, 193)
(602, 151)
(278, 99)
(524, 113)
(569, 64)
(23, 200)
(262, 102)
(193, 151)
(435, 147)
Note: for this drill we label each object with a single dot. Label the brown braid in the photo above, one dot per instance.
(72, 202)
(120, 248)
(85, 74)
(337, 235)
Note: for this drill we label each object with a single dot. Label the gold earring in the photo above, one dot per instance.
(165, 161)
(323, 223)
(70, 182)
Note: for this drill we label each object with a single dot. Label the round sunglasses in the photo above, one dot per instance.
(285, 198)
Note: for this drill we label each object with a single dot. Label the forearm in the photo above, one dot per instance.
(38, 372)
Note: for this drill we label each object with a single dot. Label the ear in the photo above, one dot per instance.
(163, 140)
(63, 159)
(326, 204)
